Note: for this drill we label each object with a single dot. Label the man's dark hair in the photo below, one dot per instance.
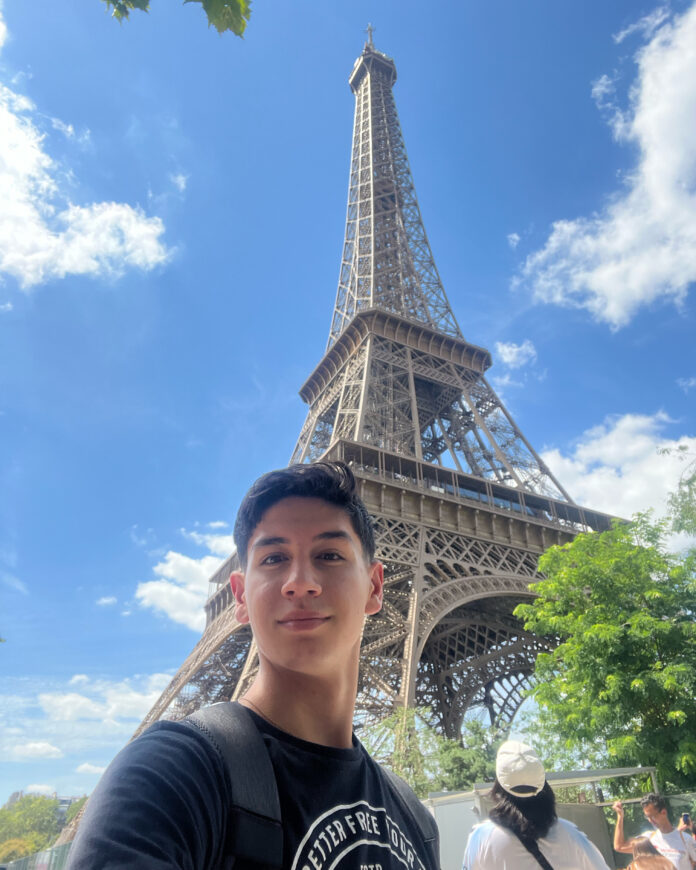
(332, 482)
(527, 817)
(656, 800)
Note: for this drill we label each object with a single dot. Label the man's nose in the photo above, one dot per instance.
(301, 580)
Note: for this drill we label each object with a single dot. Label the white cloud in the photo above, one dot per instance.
(641, 245)
(616, 468)
(86, 767)
(516, 355)
(513, 239)
(47, 790)
(43, 235)
(105, 701)
(220, 545)
(6, 306)
(70, 706)
(686, 383)
(94, 723)
(13, 582)
(646, 25)
(181, 590)
(66, 129)
(179, 181)
(37, 749)
(106, 601)
(603, 92)
(217, 524)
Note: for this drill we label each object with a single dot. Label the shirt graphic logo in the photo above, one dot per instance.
(340, 830)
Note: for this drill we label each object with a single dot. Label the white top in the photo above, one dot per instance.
(677, 846)
(565, 847)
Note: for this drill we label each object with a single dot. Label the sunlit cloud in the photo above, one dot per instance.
(37, 749)
(640, 245)
(179, 180)
(76, 719)
(45, 236)
(86, 767)
(618, 467)
(515, 355)
(646, 25)
(46, 790)
(12, 582)
(181, 588)
(686, 384)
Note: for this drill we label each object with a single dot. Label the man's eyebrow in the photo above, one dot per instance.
(274, 540)
(339, 533)
(269, 542)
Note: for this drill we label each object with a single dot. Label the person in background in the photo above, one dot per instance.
(523, 831)
(670, 842)
(686, 824)
(646, 857)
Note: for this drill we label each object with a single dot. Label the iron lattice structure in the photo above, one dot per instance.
(464, 506)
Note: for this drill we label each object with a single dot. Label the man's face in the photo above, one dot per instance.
(658, 818)
(307, 587)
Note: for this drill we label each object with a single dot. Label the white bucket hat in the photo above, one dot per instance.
(519, 770)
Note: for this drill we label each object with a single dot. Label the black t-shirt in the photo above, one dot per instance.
(164, 802)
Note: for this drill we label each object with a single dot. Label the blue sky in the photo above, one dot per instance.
(172, 209)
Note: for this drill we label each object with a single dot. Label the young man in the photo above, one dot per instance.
(679, 847)
(308, 579)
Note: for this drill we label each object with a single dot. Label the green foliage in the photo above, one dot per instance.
(624, 672)
(15, 848)
(74, 809)
(406, 744)
(33, 818)
(223, 15)
(682, 502)
(461, 764)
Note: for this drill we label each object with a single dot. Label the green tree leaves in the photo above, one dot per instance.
(30, 823)
(406, 744)
(621, 609)
(223, 15)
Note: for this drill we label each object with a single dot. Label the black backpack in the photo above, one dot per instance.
(256, 834)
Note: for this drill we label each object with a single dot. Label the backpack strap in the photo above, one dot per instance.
(255, 831)
(424, 821)
(533, 848)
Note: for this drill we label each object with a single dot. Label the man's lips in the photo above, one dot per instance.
(303, 620)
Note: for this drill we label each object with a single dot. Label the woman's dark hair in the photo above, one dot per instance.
(528, 817)
(333, 482)
(643, 846)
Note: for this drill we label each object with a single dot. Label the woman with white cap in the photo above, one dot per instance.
(523, 831)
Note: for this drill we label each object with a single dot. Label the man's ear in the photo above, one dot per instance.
(374, 602)
(237, 585)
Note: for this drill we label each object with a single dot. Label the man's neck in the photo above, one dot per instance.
(313, 709)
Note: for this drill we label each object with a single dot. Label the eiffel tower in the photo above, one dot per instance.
(463, 504)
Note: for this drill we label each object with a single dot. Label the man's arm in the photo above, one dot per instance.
(620, 843)
(161, 805)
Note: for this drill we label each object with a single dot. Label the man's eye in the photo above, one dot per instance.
(273, 559)
(331, 557)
